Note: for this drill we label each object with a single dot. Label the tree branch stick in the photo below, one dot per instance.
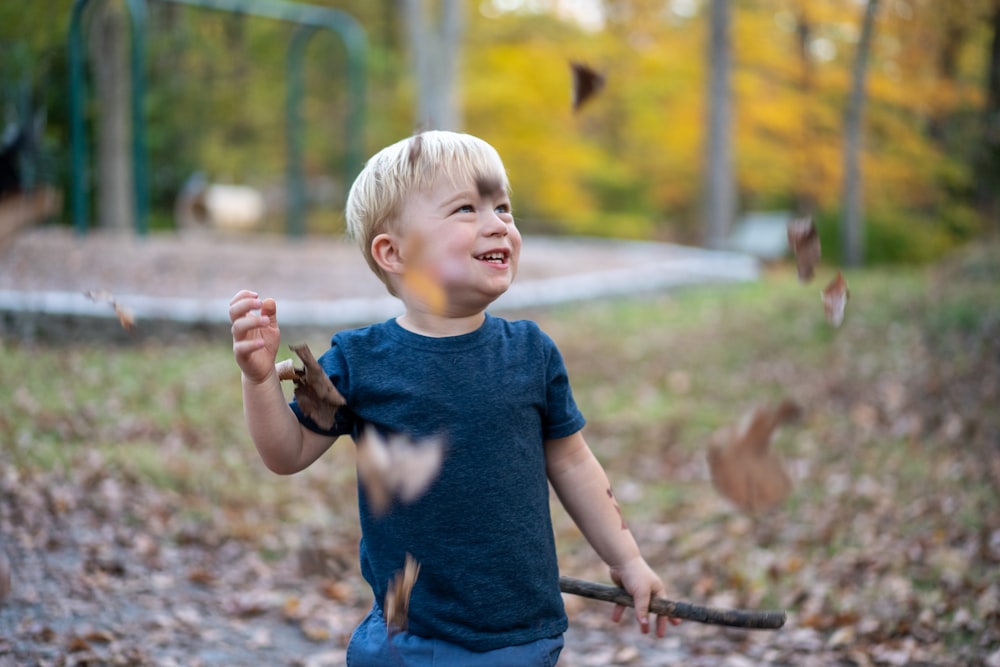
(734, 618)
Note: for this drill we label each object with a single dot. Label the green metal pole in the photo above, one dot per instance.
(79, 172)
(294, 172)
(79, 154)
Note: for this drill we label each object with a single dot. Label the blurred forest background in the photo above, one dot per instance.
(631, 163)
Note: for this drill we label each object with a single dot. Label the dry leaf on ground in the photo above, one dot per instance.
(743, 468)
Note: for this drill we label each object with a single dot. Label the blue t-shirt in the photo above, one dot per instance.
(482, 532)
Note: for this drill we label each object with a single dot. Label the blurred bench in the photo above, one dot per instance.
(763, 234)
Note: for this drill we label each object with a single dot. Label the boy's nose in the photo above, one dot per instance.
(494, 225)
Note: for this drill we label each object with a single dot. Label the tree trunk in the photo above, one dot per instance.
(988, 167)
(852, 221)
(808, 170)
(115, 208)
(720, 187)
(434, 28)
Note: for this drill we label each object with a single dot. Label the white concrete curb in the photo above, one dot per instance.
(656, 266)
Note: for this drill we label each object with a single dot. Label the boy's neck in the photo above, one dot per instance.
(437, 326)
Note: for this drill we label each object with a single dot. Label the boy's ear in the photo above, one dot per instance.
(386, 253)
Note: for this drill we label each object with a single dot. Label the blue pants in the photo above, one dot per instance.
(371, 646)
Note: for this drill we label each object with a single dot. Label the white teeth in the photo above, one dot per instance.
(493, 257)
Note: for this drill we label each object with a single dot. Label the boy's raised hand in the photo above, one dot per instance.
(643, 584)
(255, 334)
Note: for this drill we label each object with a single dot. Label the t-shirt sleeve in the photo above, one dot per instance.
(334, 364)
(563, 418)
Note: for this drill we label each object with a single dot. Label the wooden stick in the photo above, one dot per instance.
(734, 618)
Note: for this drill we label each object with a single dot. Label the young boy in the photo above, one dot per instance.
(434, 221)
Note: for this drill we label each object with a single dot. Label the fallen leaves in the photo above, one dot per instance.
(743, 468)
(314, 392)
(4, 576)
(396, 467)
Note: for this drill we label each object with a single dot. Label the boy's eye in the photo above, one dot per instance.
(503, 208)
(466, 208)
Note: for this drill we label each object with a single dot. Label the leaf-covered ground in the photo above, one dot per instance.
(138, 526)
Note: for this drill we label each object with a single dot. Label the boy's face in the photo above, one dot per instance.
(462, 236)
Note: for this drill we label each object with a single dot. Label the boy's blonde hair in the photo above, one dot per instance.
(376, 201)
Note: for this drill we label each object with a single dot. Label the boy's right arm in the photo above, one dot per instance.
(285, 445)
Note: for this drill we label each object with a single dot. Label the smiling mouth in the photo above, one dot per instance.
(493, 257)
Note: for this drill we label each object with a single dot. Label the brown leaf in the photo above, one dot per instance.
(201, 576)
(743, 468)
(419, 278)
(125, 316)
(835, 297)
(396, 467)
(315, 394)
(4, 576)
(335, 590)
(803, 239)
(397, 596)
(315, 629)
(586, 83)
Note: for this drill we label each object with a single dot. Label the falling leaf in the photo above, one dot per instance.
(314, 392)
(835, 296)
(397, 596)
(125, 316)
(396, 467)
(743, 468)
(803, 239)
(419, 278)
(586, 83)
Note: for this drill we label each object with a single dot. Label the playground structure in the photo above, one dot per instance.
(309, 19)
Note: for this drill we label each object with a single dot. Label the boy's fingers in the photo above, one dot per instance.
(244, 347)
(617, 612)
(241, 307)
(243, 294)
(245, 325)
(661, 626)
(642, 615)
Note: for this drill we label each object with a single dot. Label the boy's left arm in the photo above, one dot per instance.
(584, 490)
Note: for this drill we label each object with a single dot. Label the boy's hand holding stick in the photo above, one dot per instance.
(734, 618)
